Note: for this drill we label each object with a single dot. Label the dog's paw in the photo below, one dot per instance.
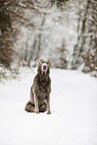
(48, 112)
(29, 108)
(37, 112)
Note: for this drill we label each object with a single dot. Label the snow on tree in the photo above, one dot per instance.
(61, 59)
(6, 36)
(39, 28)
(48, 26)
(85, 50)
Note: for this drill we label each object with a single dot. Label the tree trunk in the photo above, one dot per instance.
(79, 48)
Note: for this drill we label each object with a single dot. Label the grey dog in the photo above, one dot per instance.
(41, 88)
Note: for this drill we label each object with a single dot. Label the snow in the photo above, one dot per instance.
(73, 105)
(54, 25)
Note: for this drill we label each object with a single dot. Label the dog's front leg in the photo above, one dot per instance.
(48, 105)
(36, 104)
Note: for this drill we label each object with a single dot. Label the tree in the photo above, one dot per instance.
(58, 3)
(6, 33)
(61, 61)
(11, 17)
(85, 50)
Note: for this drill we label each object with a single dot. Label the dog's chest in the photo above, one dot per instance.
(42, 93)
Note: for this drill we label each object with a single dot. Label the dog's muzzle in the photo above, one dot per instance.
(44, 68)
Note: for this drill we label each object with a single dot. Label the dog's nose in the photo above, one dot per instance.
(44, 67)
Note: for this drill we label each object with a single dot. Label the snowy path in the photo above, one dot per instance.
(73, 105)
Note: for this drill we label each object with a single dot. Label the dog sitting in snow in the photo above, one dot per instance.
(41, 88)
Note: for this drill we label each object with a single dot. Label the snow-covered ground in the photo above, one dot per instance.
(73, 105)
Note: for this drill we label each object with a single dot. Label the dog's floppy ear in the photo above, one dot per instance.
(51, 63)
(37, 62)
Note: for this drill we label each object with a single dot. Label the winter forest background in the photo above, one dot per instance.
(64, 31)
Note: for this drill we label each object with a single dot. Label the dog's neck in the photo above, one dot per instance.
(43, 78)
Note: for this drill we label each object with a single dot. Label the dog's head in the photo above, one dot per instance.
(44, 65)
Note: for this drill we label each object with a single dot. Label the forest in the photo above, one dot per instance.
(64, 31)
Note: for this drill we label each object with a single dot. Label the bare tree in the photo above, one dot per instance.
(11, 16)
(58, 3)
(85, 51)
(6, 36)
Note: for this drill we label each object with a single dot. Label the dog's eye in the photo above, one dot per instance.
(48, 62)
(42, 61)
